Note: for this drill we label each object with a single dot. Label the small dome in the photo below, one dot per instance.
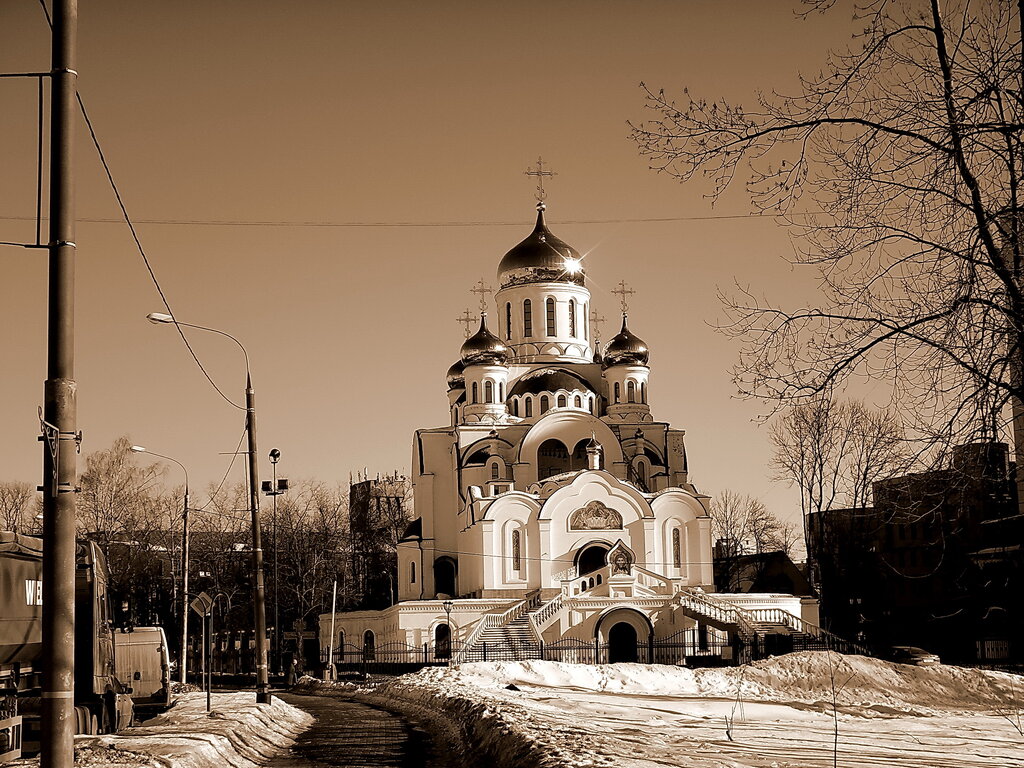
(456, 375)
(483, 347)
(625, 349)
(541, 258)
(548, 380)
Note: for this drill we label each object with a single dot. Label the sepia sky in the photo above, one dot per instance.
(327, 180)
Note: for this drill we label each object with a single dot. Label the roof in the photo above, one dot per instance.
(549, 380)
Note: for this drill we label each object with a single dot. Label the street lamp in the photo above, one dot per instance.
(259, 604)
(448, 605)
(275, 489)
(184, 560)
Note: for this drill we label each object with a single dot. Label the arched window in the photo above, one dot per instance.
(593, 405)
(508, 320)
(550, 317)
(643, 392)
(631, 391)
(442, 642)
(369, 646)
(412, 573)
(527, 318)
(562, 402)
(545, 403)
(517, 555)
(529, 407)
(618, 392)
(501, 391)
(494, 471)
(515, 408)
(677, 549)
(489, 391)
(641, 475)
(476, 391)
(577, 401)
(586, 321)
(572, 317)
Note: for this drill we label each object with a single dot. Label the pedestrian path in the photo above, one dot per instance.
(355, 735)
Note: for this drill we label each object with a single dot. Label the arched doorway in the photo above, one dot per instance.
(591, 558)
(622, 643)
(444, 576)
(442, 642)
(369, 646)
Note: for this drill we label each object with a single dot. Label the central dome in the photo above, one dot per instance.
(541, 258)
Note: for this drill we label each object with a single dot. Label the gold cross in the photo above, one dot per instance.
(483, 289)
(467, 318)
(596, 321)
(623, 292)
(540, 173)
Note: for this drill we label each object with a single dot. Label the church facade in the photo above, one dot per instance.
(554, 505)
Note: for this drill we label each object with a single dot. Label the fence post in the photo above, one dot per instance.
(542, 650)
(650, 648)
(485, 651)
(424, 654)
(597, 650)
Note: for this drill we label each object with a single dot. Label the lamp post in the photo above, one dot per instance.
(275, 489)
(448, 605)
(184, 561)
(259, 604)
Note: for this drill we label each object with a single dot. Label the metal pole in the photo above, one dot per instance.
(330, 642)
(277, 585)
(207, 627)
(259, 604)
(59, 414)
(184, 589)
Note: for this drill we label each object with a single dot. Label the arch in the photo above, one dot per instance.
(618, 392)
(615, 616)
(622, 643)
(677, 548)
(527, 318)
(517, 555)
(515, 407)
(586, 321)
(562, 401)
(577, 401)
(545, 403)
(591, 557)
(529, 407)
(631, 391)
(369, 645)
(495, 471)
(552, 458)
(445, 575)
(476, 392)
(488, 391)
(570, 427)
(549, 317)
(442, 641)
(341, 640)
(508, 320)
(572, 317)
(643, 392)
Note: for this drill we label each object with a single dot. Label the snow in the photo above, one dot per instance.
(777, 713)
(236, 733)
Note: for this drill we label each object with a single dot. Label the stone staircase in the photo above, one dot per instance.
(514, 641)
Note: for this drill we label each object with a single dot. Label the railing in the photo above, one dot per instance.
(541, 618)
(651, 579)
(568, 574)
(718, 611)
(816, 635)
(495, 620)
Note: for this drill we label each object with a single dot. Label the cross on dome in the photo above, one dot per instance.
(540, 173)
(623, 292)
(467, 319)
(596, 323)
(484, 290)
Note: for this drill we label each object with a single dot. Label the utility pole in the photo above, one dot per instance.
(59, 432)
(259, 606)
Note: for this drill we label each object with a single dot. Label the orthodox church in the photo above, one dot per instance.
(554, 506)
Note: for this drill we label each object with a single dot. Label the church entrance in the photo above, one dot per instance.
(444, 576)
(622, 643)
(590, 559)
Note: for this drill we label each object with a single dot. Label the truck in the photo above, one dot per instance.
(102, 702)
(144, 663)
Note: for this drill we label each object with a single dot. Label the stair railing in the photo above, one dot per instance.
(492, 620)
(540, 619)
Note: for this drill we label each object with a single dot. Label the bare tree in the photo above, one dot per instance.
(16, 511)
(746, 526)
(898, 167)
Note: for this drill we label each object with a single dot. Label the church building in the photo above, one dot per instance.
(553, 507)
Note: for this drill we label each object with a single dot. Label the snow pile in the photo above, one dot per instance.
(237, 732)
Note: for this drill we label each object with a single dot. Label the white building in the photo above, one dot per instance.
(554, 506)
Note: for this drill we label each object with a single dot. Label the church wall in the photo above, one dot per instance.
(540, 346)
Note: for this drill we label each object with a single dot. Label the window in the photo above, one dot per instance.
(412, 573)
(369, 646)
(586, 320)
(529, 407)
(508, 321)
(527, 318)
(494, 471)
(550, 317)
(631, 391)
(476, 391)
(515, 408)
(677, 550)
(517, 560)
(489, 391)
(545, 403)
(572, 317)
(618, 392)
(562, 402)
(501, 392)
(577, 401)
(643, 392)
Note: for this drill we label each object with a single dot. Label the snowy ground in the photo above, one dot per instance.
(237, 733)
(778, 713)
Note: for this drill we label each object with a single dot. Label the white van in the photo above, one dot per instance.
(143, 662)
